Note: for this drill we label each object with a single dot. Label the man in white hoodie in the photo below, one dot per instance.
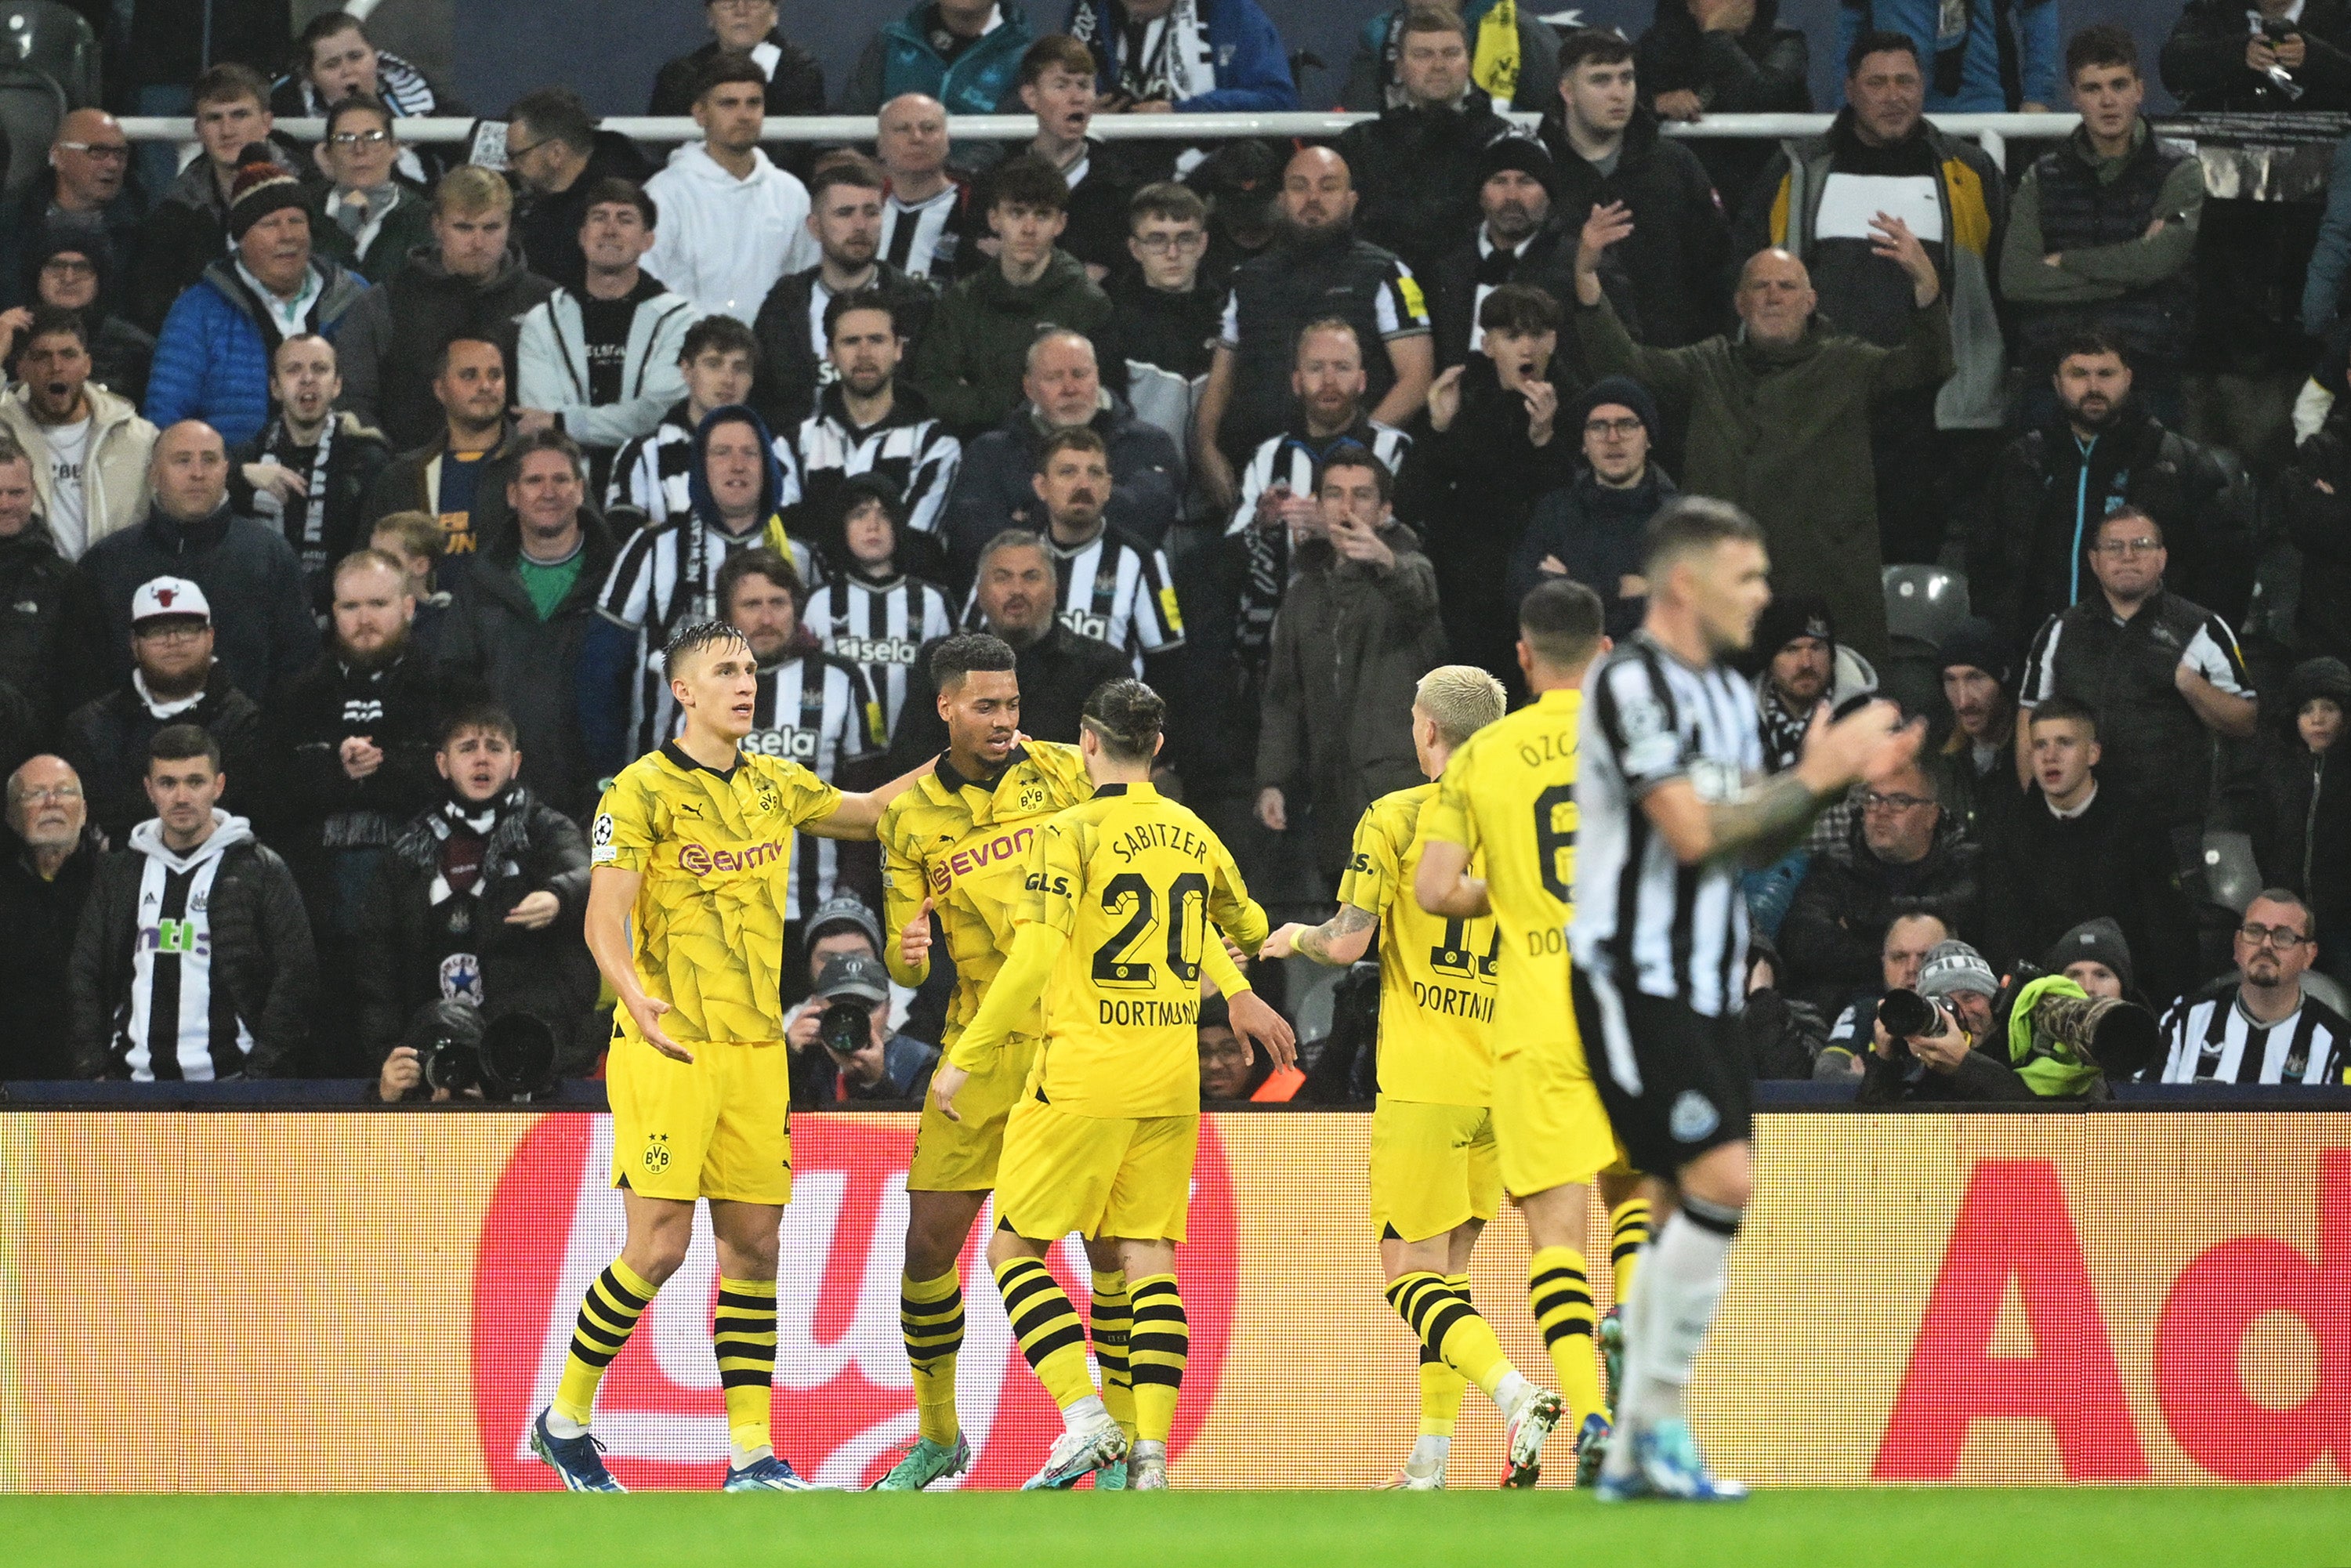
(732, 222)
(194, 960)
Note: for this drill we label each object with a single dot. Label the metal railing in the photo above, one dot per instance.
(1992, 132)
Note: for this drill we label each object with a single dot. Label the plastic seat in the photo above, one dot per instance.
(2232, 877)
(1926, 602)
(56, 40)
(31, 105)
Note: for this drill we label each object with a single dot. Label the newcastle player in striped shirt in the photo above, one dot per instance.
(1671, 802)
(813, 708)
(1112, 587)
(875, 615)
(2265, 1028)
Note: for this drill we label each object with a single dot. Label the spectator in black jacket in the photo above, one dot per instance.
(1056, 84)
(251, 579)
(351, 744)
(227, 990)
(1017, 595)
(2317, 497)
(335, 61)
(1417, 166)
(49, 857)
(480, 897)
(459, 475)
(369, 217)
(1608, 149)
(1167, 311)
(1501, 432)
(35, 581)
(1976, 774)
(311, 468)
(87, 180)
(2217, 59)
(176, 680)
(558, 156)
(794, 78)
(1898, 859)
(1725, 57)
(70, 264)
(845, 217)
(521, 615)
(2302, 836)
(1516, 242)
(188, 229)
(2072, 851)
(470, 283)
(2104, 450)
(1060, 388)
(1590, 528)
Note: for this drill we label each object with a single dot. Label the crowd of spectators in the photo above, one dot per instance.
(349, 492)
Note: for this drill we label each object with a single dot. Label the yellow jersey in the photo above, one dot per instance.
(964, 843)
(1509, 793)
(1139, 886)
(716, 852)
(1436, 975)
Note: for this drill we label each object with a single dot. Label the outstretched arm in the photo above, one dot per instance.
(611, 893)
(1769, 817)
(1337, 941)
(858, 815)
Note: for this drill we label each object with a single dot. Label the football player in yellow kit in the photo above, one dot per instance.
(691, 859)
(1122, 901)
(1435, 1181)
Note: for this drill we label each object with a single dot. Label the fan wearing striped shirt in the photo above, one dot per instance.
(2266, 1027)
(654, 474)
(1112, 587)
(812, 708)
(877, 616)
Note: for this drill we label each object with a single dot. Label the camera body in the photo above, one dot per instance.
(510, 1056)
(2277, 29)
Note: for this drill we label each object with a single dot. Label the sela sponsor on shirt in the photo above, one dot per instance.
(790, 742)
(876, 650)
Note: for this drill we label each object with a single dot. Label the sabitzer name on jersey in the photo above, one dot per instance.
(1144, 836)
(1149, 1012)
(876, 650)
(792, 743)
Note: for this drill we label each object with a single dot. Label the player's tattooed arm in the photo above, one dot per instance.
(1337, 941)
(1758, 823)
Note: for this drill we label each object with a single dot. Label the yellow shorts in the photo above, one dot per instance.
(1548, 1123)
(718, 1126)
(1099, 1175)
(961, 1156)
(1433, 1167)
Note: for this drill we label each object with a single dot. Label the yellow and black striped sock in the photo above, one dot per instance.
(1161, 1344)
(1560, 1292)
(1112, 1318)
(742, 1333)
(616, 1299)
(930, 1314)
(1448, 1324)
(1441, 1388)
(1047, 1326)
(1628, 1233)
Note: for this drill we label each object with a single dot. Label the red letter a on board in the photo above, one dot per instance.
(2012, 1223)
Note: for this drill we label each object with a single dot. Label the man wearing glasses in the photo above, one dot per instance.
(89, 175)
(43, 881)
(2162, 676)
(373, 214)
(2263, 1028)
(1900, 858)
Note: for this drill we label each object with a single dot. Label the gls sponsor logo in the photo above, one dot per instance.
(844, 1397)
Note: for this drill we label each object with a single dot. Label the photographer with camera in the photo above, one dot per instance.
(1942, 1042)
(479, 901)
(862, 1062)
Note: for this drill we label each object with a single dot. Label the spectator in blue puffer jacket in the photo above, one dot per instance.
(212, 359)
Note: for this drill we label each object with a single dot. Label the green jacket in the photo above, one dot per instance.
(2051, 1068)
(1784, 433)
(975, 348)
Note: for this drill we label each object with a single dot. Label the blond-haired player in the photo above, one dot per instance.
(1125, 896)
(1434, 1177)
(1508, 796)
(692, 861)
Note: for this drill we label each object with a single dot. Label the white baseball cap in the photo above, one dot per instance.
(168, 596)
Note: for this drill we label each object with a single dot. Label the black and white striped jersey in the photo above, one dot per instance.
(1642, 918)
(655, 473)
(815, 710)
(1114, 588)
(1294, 458)
(910, 449)
(180, 1026)
(663, 577)
(925, 238)
(2217, 1041)
(879, 627)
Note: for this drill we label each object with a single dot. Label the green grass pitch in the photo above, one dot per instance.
(2175, 1528)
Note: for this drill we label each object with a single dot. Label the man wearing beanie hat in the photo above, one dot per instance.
(1962, 1059)
(2095, 956)
(1976, 769)
(1417, 166)
(1591, 529)
(212, 359)
(1795, 650)
(1518, 240)
(2304, 836)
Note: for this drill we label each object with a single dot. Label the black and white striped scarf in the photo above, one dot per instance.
(277, 443)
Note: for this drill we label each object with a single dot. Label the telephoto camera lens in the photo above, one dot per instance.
(1907, 1013)
(844, 1029)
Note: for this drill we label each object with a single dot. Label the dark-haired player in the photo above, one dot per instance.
(1120, 904)
(691, 860)
(1670, 800)
(957, 843)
